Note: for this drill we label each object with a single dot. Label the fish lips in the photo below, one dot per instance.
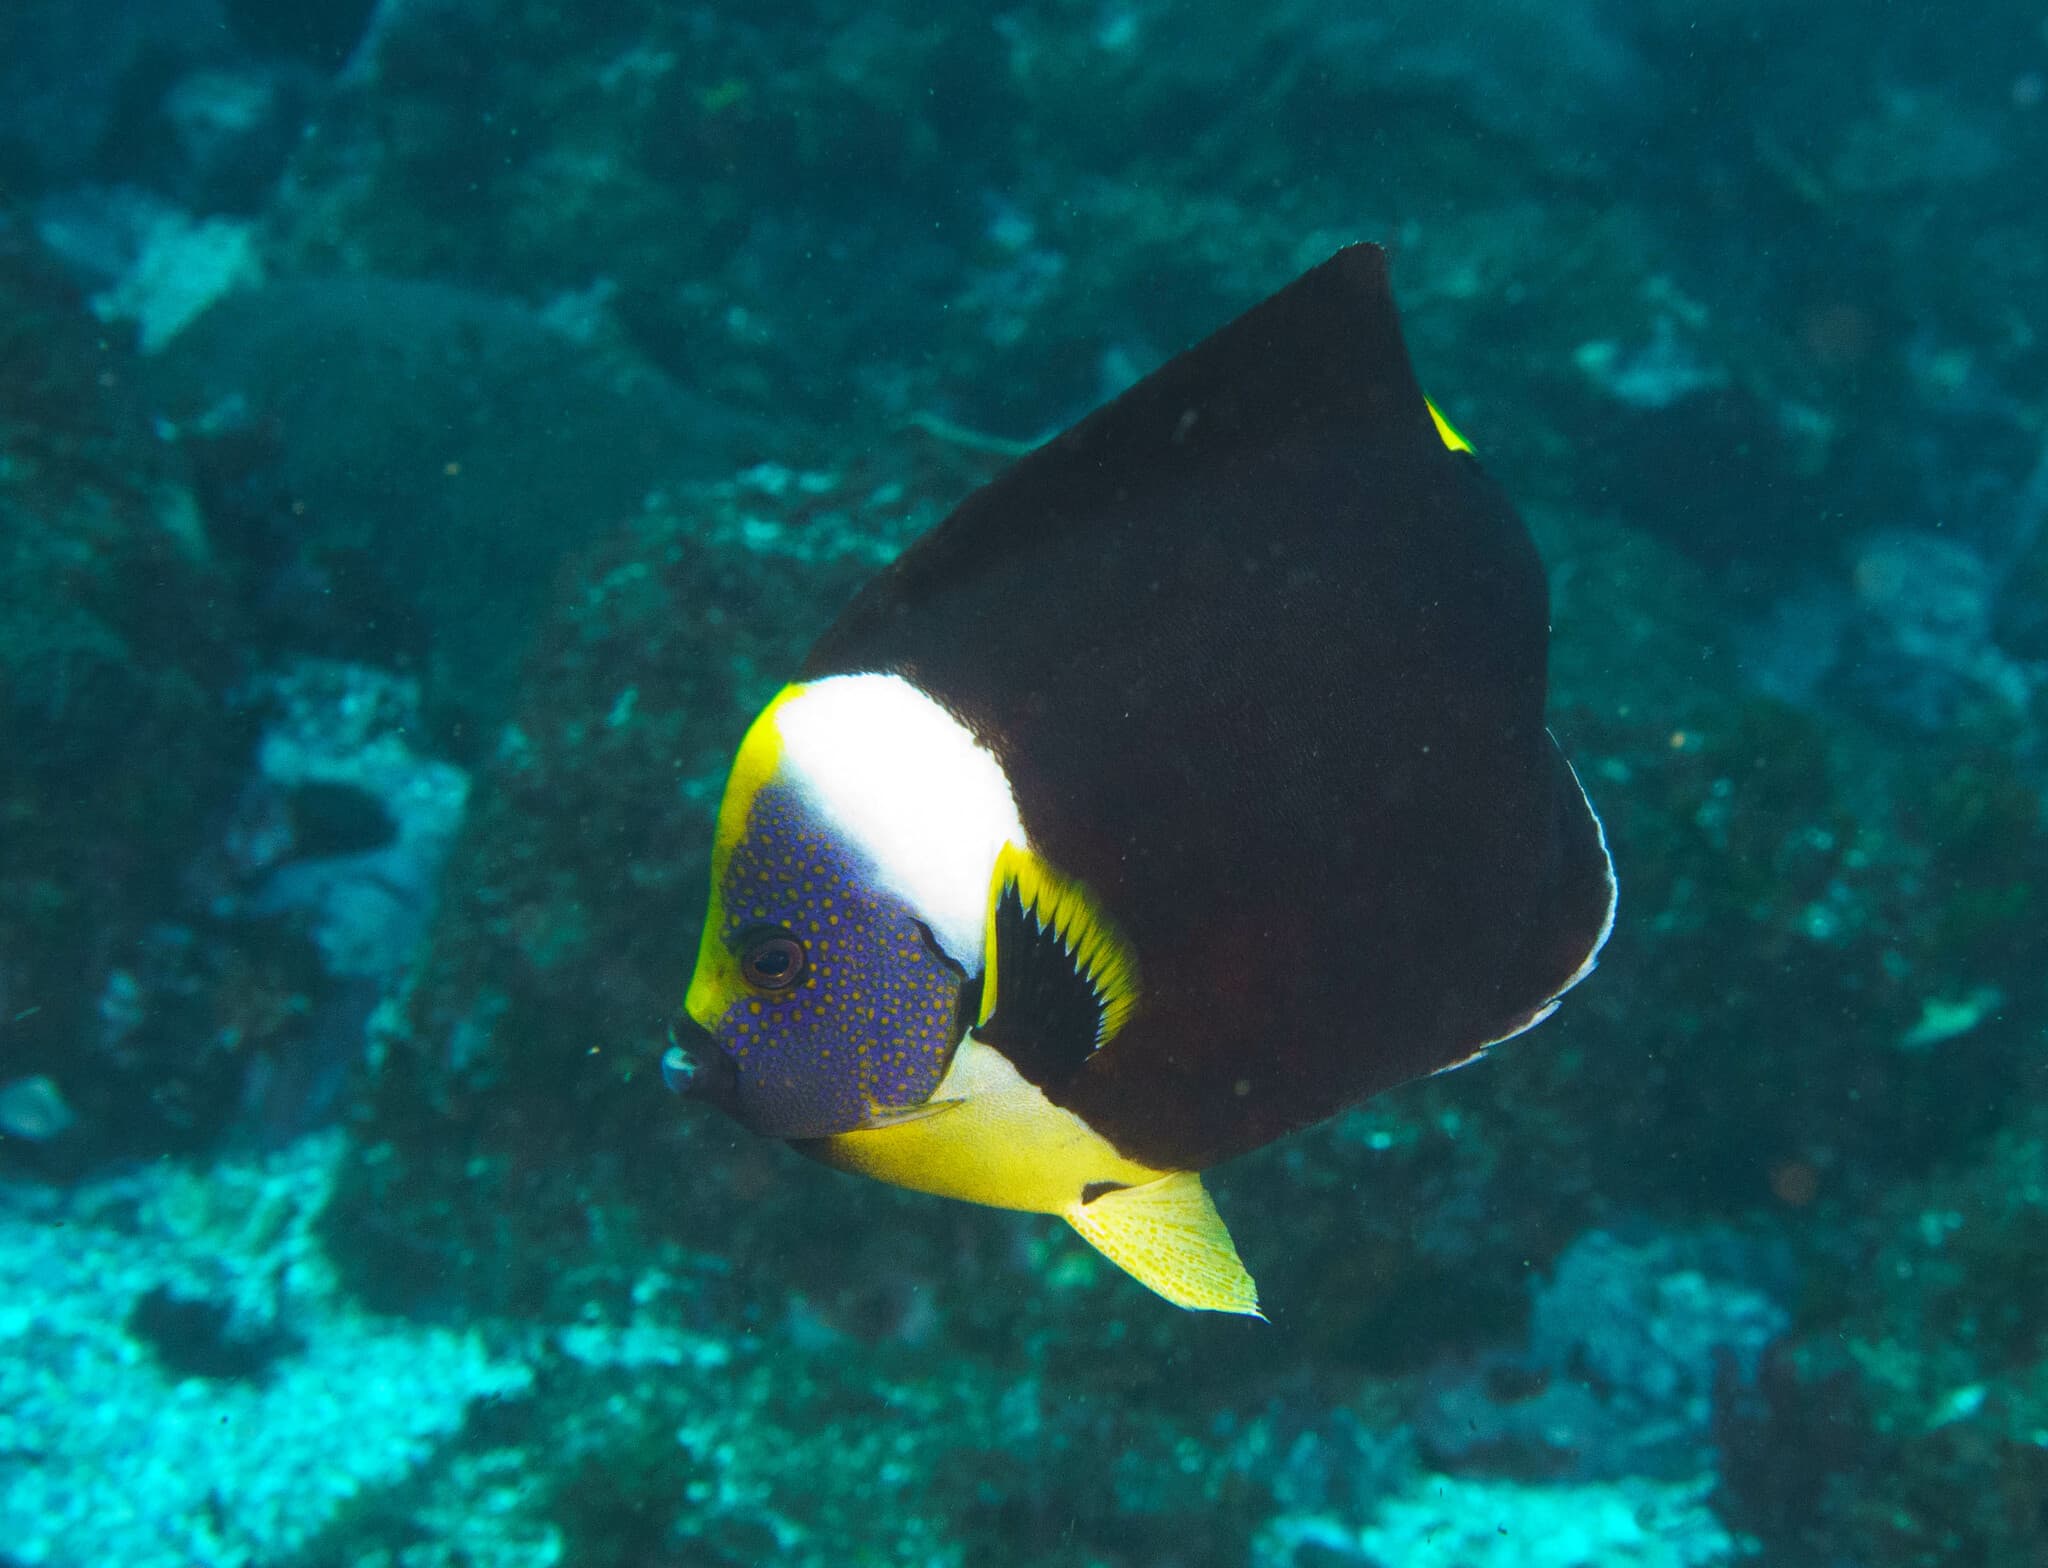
(696, 1067)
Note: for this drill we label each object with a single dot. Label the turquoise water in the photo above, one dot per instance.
(429, 432)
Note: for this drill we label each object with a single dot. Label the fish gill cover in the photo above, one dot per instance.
(430, 431)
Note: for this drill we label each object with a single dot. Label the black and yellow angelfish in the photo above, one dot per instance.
(1186, 785)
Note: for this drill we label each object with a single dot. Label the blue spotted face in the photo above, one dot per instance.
(829, 1002)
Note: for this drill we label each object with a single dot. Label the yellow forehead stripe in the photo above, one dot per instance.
(717, 983)
(1066, 909)
(1446, 430)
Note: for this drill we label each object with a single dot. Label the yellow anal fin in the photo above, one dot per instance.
(1168, 1237)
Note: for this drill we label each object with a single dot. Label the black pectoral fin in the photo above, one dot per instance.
(1058, 982)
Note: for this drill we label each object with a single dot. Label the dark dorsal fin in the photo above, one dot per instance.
(1320, 361)
(1325, 351)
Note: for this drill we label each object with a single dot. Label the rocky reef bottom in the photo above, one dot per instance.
(183, 1380)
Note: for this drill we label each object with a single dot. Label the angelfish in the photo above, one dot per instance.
(1188, 783)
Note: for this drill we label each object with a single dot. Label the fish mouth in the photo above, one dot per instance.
(696, 1067)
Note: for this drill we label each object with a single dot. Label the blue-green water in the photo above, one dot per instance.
(430, 430)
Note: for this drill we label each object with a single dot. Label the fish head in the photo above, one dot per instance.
(827, 997)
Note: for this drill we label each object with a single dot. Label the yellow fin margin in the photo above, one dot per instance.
(1065, 908)
(1168, 1237)
(1447, 431)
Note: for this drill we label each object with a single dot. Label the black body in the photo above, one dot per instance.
(1265, 664)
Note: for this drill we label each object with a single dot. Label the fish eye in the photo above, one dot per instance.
(773, 960)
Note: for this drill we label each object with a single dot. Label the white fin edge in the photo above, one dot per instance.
(1592, 959)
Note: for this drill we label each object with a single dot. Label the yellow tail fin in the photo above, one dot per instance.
(1168, 1236)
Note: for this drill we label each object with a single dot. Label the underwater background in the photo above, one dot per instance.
(429, 429)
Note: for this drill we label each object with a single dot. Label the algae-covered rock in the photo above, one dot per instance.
(571, 905)
(445, 447)
(117, 628)
(192, 1303)
(1908, 1423)
(69, 73)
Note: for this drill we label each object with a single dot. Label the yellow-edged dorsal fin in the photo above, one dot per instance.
(1168, 1236)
